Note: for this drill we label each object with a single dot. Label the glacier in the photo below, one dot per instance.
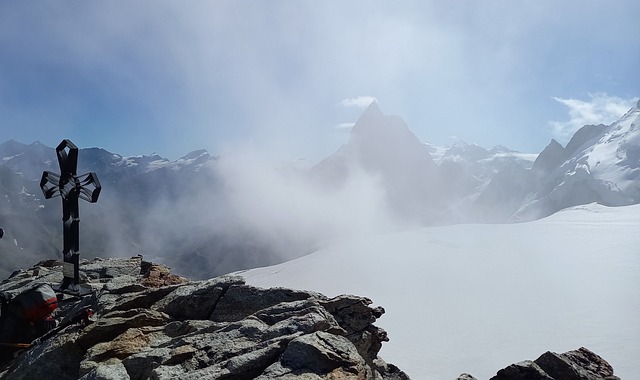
(476, 297)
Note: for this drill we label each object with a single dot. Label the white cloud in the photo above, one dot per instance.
(358, 101)
(345, 125)
(600, 109)
(292, 213)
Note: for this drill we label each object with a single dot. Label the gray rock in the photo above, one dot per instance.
(557, 366)
(389, 371)
(240, 301)
(196, 300)
(58, 355)
(525, 370)
(322, 352)
(466, 376)
(133, 298)
(115, 371)
(114, 323)
(110, 268)
(580, 364)
(590, 365)
(305, 316)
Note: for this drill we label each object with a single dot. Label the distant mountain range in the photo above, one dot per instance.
(133, 189)
(179, 211)
(468, 183)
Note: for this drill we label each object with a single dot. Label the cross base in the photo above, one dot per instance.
(73, 290)
(71, 277)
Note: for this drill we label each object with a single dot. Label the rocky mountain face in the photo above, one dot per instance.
(151, 324)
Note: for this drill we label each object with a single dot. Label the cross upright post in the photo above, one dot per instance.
(70, 187)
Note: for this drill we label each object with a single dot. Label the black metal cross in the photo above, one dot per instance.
(70, 187)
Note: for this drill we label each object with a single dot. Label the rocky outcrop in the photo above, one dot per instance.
(150, 324)
(580, 364)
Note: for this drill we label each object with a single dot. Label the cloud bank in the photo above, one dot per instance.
(282, 205)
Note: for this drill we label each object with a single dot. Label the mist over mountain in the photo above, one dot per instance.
(384, 148)
(207, 215)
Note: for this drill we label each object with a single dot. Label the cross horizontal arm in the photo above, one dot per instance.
(89, 187)
(50, 185)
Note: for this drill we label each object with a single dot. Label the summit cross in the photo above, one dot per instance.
(70, 187)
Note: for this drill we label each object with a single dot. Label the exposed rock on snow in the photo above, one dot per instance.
(150, 324)
(580, 364)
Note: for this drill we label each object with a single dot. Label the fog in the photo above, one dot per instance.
(281, 204)
(256, 212)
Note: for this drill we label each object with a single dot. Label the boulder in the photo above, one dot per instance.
(580, 364)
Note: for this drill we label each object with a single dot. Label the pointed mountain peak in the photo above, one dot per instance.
(371, 115)
(13, 144)
(196, 154)
(373, 120)
(502, 149)
(382, 141)
(373, 108)
(554, 144)
(550, 158)
(462, 149)
(460, 144)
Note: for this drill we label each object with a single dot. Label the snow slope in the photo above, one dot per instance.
(615, 158)
(602, 164)
(475, 298)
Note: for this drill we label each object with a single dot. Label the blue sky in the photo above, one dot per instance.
(170, 77)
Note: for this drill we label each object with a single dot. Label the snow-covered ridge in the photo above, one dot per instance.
(616, 156)
(154, 161)
(34, 158)
(601, 163)
(462, 151)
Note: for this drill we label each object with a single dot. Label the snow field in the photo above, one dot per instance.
(475, 298)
